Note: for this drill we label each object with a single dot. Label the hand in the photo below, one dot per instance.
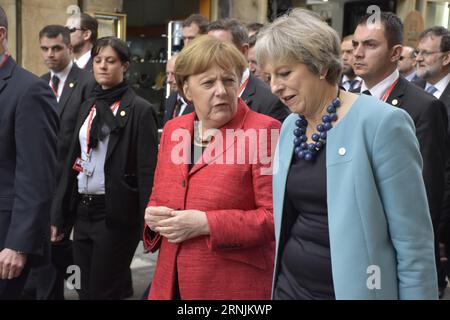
(55, 236)
(442, 253)
(183, 225)
(153, 215)
(11, 263)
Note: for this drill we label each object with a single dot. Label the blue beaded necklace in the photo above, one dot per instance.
(308, 151)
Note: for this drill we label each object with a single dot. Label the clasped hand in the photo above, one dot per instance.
(176, 226)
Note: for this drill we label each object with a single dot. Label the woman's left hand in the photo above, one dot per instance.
(183, 225)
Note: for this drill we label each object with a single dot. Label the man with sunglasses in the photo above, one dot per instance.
(433, 66)
(407, 64)
(83, 34)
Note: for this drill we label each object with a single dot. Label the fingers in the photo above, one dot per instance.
(11, 265)
(158, 211)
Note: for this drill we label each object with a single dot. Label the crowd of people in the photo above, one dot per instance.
(292, 165)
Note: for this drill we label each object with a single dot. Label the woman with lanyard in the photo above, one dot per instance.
(108, 177)
(350, 209)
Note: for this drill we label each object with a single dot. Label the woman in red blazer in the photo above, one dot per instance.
(210, 212)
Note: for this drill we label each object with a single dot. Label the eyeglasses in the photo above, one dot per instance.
(73, 29)
(424, 53)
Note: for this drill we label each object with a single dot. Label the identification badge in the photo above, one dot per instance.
(83, 166)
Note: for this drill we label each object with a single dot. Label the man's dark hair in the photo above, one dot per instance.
(237, 30)
(89, 23)
(252, 41)
(119, 46)
(438, 31)
(393, 27)
(199, 20)
(3, 18)
(53, 31)
(255, 26)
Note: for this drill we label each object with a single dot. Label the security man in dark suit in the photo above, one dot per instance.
(71, 86)
(29, 126)
(376, 52)
(83, 34)
(433, 68)
(175, 104)
(254, 92)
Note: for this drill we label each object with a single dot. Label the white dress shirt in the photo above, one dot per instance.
(245, 77)
(94, 184)
(440, 86)
(83, 60)
(346, 82)
(381, 87)
(62, 75)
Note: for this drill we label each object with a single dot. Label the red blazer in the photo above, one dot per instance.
(236, 260)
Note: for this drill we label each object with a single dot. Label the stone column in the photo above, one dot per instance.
(36, 14)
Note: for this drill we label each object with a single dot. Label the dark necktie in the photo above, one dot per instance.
(367, 92)
(55, 84)
(176, 110)
(431, 89)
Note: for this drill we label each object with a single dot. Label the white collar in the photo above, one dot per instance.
(346, 79)
(83, 60)
(410, 76)
(381, 87)
(441, 84)
(62, 75)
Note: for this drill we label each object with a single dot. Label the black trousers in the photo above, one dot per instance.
(12, 289)
(103, 254)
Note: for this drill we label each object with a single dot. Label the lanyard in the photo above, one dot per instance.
(91, 116)
(389, 91)
(243, 86)
(5, 58)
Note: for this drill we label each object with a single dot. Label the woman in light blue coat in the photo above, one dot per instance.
(351, 214)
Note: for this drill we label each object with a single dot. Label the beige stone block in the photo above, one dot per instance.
(250, 10)
(102, 5)
(36, 14)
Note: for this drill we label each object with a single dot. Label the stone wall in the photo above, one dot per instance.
(36, 14)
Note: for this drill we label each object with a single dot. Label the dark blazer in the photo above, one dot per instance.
(129, 166)
(170, 107)
(89, 65)
(28, 130)
(259, 98)
(77, 89)
(430, 119)
(444, 233)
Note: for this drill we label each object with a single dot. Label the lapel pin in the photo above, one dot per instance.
(71, 85)
(122, 113)
(394, 102)
(342, 151)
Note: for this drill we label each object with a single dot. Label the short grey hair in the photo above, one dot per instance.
(301, 36)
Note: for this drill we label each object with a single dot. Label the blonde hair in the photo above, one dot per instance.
(301, 36)
(204, 52)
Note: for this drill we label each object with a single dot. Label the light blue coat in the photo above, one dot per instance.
(377, 207)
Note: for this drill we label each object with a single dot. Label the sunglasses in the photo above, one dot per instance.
(73, 29)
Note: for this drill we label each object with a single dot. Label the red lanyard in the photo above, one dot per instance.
(243, 86)
(389, 91)
(5, 58)
(91, 115)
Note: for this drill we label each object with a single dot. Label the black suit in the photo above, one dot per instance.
(28, 130)
(77, 88)
(259, 98)
(430, 118)
(444, 227)
(47, 281)
(128, 169)
(170, 107)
